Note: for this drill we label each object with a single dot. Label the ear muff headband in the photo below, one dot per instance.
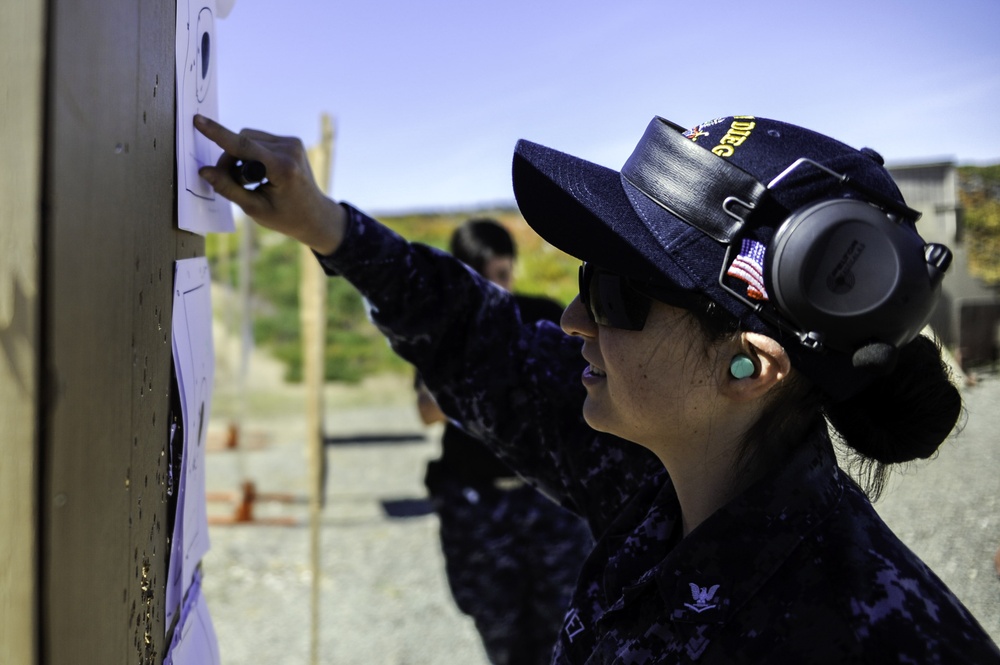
(842, 273)
(691, 183)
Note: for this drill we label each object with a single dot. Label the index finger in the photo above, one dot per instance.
(238, 145)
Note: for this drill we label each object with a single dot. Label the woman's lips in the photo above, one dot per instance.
(593, 375)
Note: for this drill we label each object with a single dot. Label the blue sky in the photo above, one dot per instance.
(430, 97)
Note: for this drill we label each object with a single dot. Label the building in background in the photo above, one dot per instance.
(968, 316)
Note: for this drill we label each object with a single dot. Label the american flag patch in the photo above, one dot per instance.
(749, 267)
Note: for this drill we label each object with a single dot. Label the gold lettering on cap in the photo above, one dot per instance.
(738, 133)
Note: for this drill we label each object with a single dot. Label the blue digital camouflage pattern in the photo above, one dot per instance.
(512, 558)
(797, 569)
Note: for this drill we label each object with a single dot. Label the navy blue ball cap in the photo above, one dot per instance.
(628, 222)
(583, 209)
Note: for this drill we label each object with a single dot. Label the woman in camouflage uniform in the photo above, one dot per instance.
(719, 345)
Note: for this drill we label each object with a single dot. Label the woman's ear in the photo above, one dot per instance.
(759, 365)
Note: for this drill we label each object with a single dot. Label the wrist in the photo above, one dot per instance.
(326, 235)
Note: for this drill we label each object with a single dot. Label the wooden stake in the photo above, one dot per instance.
(312, 301)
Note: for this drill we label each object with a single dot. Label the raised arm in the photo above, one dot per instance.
(515, 387)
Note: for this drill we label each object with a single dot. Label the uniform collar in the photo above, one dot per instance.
(720, 565)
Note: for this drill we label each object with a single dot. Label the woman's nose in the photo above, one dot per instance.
(576, 321)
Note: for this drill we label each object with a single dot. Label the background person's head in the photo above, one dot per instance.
(822, 257)
(488, 248)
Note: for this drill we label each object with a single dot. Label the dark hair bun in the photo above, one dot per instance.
(904, 415)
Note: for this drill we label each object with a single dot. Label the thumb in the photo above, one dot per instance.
(226, 187)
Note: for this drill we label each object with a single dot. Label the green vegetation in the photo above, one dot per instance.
(979, 192)
(355, 349)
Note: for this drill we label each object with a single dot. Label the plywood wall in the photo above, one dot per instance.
(22, 67)
(98, 397)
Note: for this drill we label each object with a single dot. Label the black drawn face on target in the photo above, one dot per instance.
(203, 58)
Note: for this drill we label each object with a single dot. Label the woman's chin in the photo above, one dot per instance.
(594, 416)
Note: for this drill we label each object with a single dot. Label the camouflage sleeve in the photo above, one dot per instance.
(516, 387)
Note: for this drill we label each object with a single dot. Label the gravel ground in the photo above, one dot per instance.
(384, 597)
(383, 594)
(947, 509)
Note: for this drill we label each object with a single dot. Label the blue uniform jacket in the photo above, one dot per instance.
(797, 569)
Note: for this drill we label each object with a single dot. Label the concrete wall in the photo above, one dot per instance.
(966, 318)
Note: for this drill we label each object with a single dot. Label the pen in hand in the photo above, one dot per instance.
(249, 172)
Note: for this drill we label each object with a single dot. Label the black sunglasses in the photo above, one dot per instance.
(617, 301)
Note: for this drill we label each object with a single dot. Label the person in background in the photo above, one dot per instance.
(511, 554)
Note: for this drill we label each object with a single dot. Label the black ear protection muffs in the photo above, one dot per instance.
(848, 274)
(855, 278)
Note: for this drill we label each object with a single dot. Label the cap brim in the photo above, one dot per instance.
(583, 209)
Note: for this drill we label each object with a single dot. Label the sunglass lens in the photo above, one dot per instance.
(610, 300)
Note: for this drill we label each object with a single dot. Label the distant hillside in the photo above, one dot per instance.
(354, 348)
